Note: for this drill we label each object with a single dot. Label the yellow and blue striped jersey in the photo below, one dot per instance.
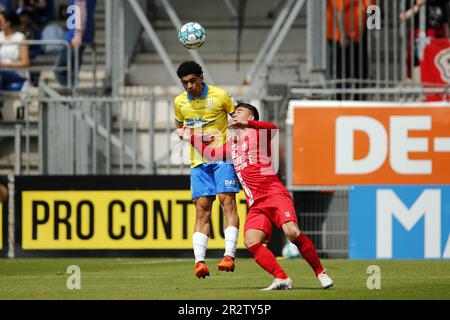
(209, 111)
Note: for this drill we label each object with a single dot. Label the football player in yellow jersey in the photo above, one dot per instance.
(206, 108)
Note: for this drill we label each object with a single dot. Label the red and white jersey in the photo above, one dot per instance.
(252, 162)
(251, 157)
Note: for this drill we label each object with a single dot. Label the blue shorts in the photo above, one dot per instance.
(210, 179)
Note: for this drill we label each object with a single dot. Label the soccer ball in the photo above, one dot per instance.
(290, 251)
(192, 35)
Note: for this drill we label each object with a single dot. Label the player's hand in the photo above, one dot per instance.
(76, 41)
(238, 124)
(208, 138)
(181, 132)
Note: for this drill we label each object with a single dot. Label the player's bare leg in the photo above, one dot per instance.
(308, 252)
(264, 257)
(203, 206)
(229, 208)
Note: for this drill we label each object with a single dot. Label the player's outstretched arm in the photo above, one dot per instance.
(208, 152)
(252, 124)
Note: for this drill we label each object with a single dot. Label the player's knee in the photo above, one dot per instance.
(248, 242)
(203, 205)
(292, 235)
(228, 202)
(291, 231)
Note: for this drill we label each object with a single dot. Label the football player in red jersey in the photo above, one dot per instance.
(268, 199)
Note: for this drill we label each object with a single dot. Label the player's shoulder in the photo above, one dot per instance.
(181, 98)
(213, 90)
(220, 93)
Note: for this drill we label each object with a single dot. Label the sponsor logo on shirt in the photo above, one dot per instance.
(198, 122)
(209, 102)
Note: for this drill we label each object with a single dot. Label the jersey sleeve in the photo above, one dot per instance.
(253, 124)
(229, 103)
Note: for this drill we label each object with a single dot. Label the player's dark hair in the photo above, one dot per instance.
(248, 106)
(189, 67)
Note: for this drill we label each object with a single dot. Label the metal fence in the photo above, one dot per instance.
(96, 134)
(365, 50)
(122, 34)
(368, 49)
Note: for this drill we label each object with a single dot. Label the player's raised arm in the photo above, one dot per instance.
(252, 124)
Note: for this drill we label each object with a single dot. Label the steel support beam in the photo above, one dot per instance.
(269, 40)
(155, 40)
(257, 82)
(231, 8)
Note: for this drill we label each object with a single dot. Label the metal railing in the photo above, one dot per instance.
(129, 134)
(122, 35)
(366, 51)
(82, 135)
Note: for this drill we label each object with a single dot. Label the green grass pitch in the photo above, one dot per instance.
(173, 279)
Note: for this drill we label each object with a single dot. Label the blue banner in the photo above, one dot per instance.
(399, 222)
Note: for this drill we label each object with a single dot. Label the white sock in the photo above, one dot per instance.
(231, 240)
(200, 241)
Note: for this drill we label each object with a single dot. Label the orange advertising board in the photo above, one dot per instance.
(370, 145)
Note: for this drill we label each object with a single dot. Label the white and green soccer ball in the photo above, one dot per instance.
(192, 35)
(290, 251)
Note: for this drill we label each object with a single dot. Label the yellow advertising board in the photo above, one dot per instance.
(116, 220)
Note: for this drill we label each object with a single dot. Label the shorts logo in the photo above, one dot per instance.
(287, 214)
(230, 183)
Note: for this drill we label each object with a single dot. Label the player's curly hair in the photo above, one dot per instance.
(189, 67)
(248, 106)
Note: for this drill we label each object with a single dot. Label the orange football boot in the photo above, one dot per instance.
(227, 264)
(201, 270)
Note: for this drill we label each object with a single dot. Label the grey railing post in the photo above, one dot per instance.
(18, 149)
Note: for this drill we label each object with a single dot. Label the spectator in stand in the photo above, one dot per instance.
(437, 13)
(347, 38)
(79, 35)
(27, 25)
(36, 9)
(11, 55)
